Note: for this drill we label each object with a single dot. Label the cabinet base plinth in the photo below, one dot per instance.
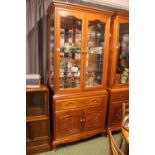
(78, 137)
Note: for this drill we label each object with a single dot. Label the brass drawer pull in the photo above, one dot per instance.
(95, 101)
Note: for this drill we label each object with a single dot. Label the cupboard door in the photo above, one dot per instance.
(68, 123)
(70, 43)
(39, 129)
(115, 113)
(96, 48)
(94, 118)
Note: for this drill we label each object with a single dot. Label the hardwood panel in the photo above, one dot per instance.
(36, 149)
(39, 129)
(37, 143)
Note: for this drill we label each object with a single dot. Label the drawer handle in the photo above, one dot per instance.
(82, 120)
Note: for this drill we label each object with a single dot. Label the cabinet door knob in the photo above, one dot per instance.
(81, 120)
(84, 120)
(122, 96)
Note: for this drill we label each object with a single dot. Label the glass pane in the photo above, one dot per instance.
(122, 73)
(95, 50)
(35, 104)
(70, 52)
(52, 51)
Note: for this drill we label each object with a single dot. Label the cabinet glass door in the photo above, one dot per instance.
(95, 51)
(122, 71)
(70, 51)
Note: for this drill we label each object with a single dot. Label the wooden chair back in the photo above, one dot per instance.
(125, 109)
(113, 148)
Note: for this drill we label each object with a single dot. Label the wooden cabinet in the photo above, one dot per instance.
(83, 119)
(118, 69)
(78, 45)
(37, 120)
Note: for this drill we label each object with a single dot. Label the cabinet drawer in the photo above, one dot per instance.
(79, 103)
(37, 143)
(119, 96)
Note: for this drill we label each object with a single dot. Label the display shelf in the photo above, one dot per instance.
(78, 83)
(118, 69)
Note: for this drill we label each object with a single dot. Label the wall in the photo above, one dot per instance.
(122, 4)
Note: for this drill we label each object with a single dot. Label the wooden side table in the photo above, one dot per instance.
(37, 120)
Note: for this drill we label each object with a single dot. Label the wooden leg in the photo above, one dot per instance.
(54, 148)
(126, 151)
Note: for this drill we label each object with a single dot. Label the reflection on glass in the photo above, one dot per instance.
(35, 105)
(70, 51)
(52, 51)
(94, 60)
(122, 75)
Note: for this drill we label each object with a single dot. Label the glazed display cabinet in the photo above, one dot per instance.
(118, 69)
(37, 120)
(78, 45)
